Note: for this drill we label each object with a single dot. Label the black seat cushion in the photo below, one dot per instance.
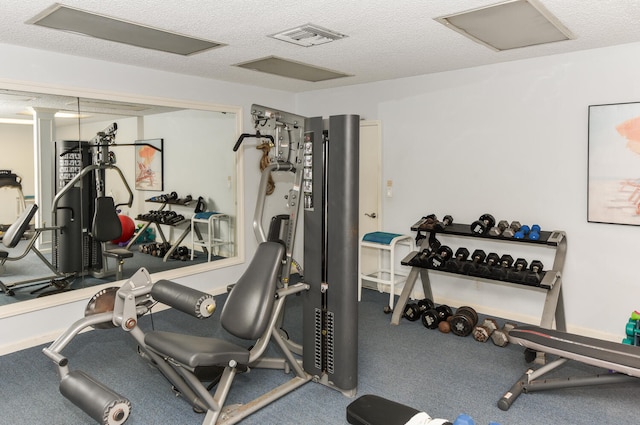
(374, 410)
(118, 253)
(194, 351)
(15, 232)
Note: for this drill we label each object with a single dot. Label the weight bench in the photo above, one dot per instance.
(622, 361)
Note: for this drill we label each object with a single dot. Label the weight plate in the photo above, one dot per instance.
(430, 319)
(461, 325)
(102, 302)
(411, 312)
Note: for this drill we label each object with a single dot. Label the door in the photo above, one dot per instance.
(370, 189)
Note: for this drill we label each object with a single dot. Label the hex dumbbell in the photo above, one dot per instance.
(440, 257)
(477, 258)
(501, 271)
(498, 228)
(481, 333)
(483, 224)
(421, 259)
(456, 264)
(535, 272)
(446, 221)
(519, 270)
(500, 337)
(510, 231)
(485, 269)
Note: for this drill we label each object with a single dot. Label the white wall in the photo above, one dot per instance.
(16, 154)
(46, 69)
(508, 139)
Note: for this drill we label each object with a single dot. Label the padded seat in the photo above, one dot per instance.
(194, 351)
(4, 254)
(119, 254)
(374, 410)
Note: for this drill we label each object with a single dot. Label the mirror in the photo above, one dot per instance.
(175, 158)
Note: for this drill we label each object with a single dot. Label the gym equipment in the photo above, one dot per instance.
(534, 234)
(463, 321)
(413, 311)
(128, 228)
(483, 224)
(250, 313)
(446, 221)
(88, 219)
(501, 271)
(477, 258)
(439, 259)
(632, 330)
(457, 263)
(15, 234)
(498, 228)
(500, 337)
(510, 231)
(432, 317)
(374, 410)
(9, 180)
(522, 232)
(481, 333)
(485, 269)
(621, 362)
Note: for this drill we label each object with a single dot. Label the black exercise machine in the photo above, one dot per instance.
(620, 361)
(14, 234)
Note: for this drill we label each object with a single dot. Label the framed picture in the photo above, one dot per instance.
(149, 164)
(614, 164)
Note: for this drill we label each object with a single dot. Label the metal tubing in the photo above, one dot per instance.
(579, 381)
(262, 195)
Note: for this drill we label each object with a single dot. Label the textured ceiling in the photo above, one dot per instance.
(386, 39)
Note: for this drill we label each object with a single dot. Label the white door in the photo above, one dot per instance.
(370, 189)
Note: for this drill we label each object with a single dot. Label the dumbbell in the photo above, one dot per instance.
(413, 311)
(420, 259)
(175, 219)
(517, 273)
(481, 333)
(498, 228)
(446, 221)
(510, 231)
(484, 269)
(483, 224)
(433, 316)
(463, 322)
(522, 232)
(477, 258)
(534, 234)
(501, 271)
(535, 273)
(440, 257)
(456, 264)
(500, 337)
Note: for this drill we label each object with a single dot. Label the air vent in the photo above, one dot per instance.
(308, 35)
(291, 69)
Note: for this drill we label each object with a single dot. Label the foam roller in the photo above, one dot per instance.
(188, 300)
(95, 399)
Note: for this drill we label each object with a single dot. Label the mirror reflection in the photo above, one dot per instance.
(92, 190)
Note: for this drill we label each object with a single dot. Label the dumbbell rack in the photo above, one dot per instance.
(158, 225)
(550, 282)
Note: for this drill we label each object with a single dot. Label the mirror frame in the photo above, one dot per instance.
(76, 295)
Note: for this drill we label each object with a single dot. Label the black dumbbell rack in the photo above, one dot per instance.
(550, 279)
(150, 219)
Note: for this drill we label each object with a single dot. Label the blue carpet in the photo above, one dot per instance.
(442, 374)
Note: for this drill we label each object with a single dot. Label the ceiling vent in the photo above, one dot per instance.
(308, 35)
(291, 69)
(508, 25)
(79, 21)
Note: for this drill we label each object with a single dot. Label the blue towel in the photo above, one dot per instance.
(380, 237)
(205, 214)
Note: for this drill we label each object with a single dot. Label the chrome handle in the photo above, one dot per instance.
(372, 215)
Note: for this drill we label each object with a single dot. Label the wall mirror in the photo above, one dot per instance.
(175, 159)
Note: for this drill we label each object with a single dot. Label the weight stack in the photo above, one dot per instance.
(330, 196)
(74, 250)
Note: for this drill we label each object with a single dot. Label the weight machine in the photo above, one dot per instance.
(321, 158)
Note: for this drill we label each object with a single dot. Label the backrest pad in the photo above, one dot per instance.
(106, 224)
(15, 232)
(249, 305)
